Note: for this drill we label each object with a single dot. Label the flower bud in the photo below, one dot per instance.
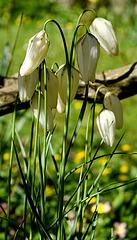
(104, 32)
(27, 85)
(106, 126)
(34, 106)
(62, 76)
(52, 92)
(36, 52)
(111, 102)
(88, 52)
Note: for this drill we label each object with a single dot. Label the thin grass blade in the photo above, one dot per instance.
(30, 199)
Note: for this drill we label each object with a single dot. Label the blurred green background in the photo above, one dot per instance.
(123, 16)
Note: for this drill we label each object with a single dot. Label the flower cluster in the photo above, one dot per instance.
(87, 53)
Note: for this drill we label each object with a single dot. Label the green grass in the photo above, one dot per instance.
(122, 200)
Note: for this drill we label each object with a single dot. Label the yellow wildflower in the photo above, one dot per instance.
(102, 208)
(49, 191)
(57, 157)
(102, 160)
(14, 169)
(124, 168)
(123, 177)
(78, 170)
(126, 147)
(6, 156)
(106, 171)
(91, 201)
(79, 156)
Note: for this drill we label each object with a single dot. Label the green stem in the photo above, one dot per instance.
(45, 128)
(92, 131)
(62, 35)
(60, 234)
(86, 153)
(81, 115)
(73, 45)
(96, 93)
(81, 15)
(29, 176)
(63, 162)
(36, 134)
(44, 150)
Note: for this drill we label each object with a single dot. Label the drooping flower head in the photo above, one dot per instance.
(62, 76)
(106, 126)
(52, 92)
(111, 102)
(27, 85)
(88, 52)
(37, 49)
(104, 32)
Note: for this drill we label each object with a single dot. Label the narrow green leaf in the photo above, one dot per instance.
(81, 115)
(30, 199)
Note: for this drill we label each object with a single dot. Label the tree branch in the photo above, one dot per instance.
(122, 82)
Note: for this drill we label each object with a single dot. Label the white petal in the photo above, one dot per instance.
(106, 126)
(62, 76)
(88, 52)
(36, 52)
(27, 85)
(111, 102)
(104, 32)
(52, 91)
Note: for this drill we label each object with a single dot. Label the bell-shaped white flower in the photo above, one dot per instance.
(111, 102)
(27, 85)
(104, 32)
(106, 126)
(88, 52)
(36, 52)
(62, 76)
(50, 116)
(52, 92)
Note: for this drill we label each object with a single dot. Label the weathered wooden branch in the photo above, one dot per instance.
(122, 82)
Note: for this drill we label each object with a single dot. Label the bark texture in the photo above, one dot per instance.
(122, 82)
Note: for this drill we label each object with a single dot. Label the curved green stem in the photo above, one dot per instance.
(73, 45)
(62, 35)
(60, 234)
(81, 15)
(102, 86)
